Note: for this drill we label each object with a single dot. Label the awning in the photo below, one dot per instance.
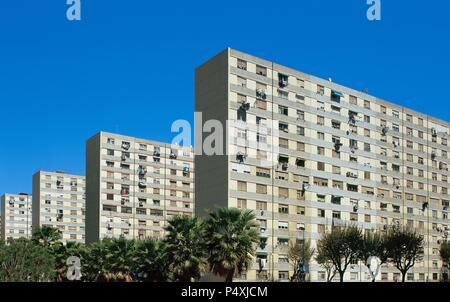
(337, 93)
(261, 253)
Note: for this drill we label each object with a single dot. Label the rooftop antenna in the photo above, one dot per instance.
(366, 90)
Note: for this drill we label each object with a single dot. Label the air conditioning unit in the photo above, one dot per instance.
(241, 157)
(142, 184)
(283, 83)
(384, 130)
(305, 186)
(109, 226)
(173, 156)
(433, 132)
(351, 175)
(261, 93)
(125, 145)
(142, 171)
(245, 106)
(156, 153)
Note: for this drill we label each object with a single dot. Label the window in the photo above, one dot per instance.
(241, 64)
(283, 110)
(283, 209)
(321, 166)
(283, 225)
(320, 150)
(242, 186)
(241, 203)
(321, 135)
(353, 100)
(283, 127)
(320, 120)
(320, 90)
(300, 131)
(336, 124)
(261, 70)
(283, 192)
(260, 104)
(262, 172)
(261, 189)
(366, 104)
(283, 94)
(283, 143)
(336, 170)
(300, 98)
(261, 206)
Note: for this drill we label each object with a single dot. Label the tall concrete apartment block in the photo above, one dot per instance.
(344, 157)
(59, 202)
(135, 185)
(15, 216)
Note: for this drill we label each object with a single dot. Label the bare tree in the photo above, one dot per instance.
(300, 252)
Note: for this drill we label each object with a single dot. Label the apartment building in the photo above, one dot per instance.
(15, 218)
(338, 156)
(134, 186)
(59, 202)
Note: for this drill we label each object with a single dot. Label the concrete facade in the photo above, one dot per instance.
(342, 157)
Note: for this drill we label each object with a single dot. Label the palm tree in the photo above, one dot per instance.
(62, 252)
(119, 259)
(185, 248)
(46, 236)
(111, 260)
(231, 241)
(150, 261)
(97, 268)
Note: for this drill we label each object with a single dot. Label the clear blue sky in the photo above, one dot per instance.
(61, 81)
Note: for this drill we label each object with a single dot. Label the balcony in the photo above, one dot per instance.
(282, 80)
(261, 93)
(336, 96)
